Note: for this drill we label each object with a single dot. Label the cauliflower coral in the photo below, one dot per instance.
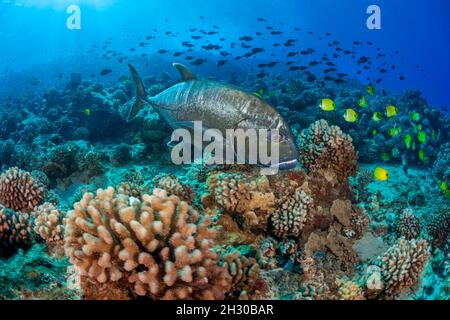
(326, 147)
(19, 191)
(158, 243)
(290, 218)
(402, 264)
(16, 231)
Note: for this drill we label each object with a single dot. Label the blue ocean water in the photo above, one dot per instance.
(33, 33)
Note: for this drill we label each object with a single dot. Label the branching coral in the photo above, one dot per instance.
(159, 243)
(16, 231)
(19, 191)
(291, 217)
(49, 223)
(326, 147)
(402, 265)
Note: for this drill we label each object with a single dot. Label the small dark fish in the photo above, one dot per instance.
(258, 50)
(187, 44)
(260, 19)
(313, 63)
(221, 62)
(224, 53)
(402, 77)
(262, 65)
(196, 37)
(272, 64)
(188, 58)
(162, 51)
(275, 33)
(198, 62)
(292, 54)
(259, 34)
(212, 47)
(177, 54)
(246, 38)
(105, 72)
(294, 68)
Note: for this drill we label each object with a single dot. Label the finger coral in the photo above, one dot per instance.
(159, 244)
(402, 264)
(326, 147)
(19, 191)
(291, 217)
(49, 223)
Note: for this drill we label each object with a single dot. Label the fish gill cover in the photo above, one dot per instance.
(117, 180)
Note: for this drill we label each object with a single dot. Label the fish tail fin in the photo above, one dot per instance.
(140, 93)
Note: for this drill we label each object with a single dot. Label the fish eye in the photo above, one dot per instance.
(275, 136)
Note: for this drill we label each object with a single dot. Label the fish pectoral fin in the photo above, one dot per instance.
(185, 74)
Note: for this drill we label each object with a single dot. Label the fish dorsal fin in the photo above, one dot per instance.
(185, 74)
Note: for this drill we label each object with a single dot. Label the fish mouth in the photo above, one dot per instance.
(285, 165)
(288, 164)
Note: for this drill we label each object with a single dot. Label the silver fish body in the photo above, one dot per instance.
(220, 106)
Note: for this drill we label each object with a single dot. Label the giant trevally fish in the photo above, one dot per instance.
(219, 106)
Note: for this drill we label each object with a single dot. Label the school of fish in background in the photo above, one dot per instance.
(81, 141)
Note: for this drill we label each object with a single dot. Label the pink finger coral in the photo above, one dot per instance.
(49, 222)
(325, 147)
(157, 244)
(19, 191)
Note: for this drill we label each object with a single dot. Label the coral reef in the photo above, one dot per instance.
(323, 147)
(19, 191)
(49, 223)
(159, 244)
(16, 231)
(290, 219)
(402, 265)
